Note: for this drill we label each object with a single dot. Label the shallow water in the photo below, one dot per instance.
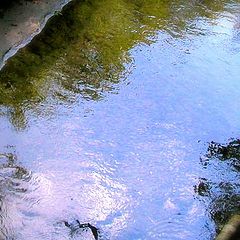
(107, 115)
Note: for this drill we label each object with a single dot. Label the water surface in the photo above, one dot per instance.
(106, 118)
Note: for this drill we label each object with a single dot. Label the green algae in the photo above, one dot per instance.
(85, 50)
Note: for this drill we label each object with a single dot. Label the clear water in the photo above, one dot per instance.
(107, 115)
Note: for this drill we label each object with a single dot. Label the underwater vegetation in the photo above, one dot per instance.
(85, 51)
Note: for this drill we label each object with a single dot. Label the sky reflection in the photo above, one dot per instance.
(111, 122)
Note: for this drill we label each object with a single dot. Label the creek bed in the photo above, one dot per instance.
(116, 115)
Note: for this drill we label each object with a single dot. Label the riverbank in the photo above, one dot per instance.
(20, 21)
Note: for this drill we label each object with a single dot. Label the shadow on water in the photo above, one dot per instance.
(85, 51)
(223, 192)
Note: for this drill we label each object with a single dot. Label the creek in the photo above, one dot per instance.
(106, 118)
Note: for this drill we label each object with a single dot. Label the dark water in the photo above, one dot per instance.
(106, 118)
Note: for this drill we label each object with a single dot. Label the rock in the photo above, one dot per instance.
(231, 231)
(21, 20)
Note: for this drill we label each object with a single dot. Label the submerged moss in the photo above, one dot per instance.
(84, 50)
